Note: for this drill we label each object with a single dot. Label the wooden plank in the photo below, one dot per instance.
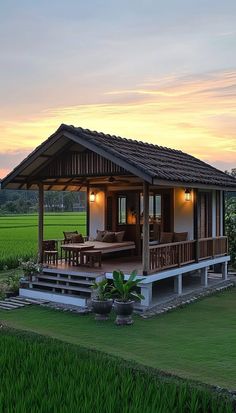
(146, 258)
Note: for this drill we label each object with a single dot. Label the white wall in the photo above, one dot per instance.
(97, 213)
(183, 213)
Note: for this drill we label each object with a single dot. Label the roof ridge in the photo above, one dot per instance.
(131, 140)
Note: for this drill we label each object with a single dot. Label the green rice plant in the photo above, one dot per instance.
(19, 234)
(43, 375)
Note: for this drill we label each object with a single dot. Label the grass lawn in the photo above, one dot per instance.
(197, 342)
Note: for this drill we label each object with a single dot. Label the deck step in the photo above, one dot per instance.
(61, 286)
(64, 279)
(82, 274)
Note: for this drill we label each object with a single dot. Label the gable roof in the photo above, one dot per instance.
(156, 164)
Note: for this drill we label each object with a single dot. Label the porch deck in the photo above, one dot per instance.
(125, 264)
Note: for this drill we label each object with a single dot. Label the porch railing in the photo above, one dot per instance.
(176, 254)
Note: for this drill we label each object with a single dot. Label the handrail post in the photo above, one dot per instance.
(195, 217)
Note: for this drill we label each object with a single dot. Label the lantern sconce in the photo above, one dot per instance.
(188, 195)
(92, 197)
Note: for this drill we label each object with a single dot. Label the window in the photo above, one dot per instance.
(122, 210)
(154, 207)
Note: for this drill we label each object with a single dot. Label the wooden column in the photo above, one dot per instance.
(223, 212)
(40, 222)
(88, 212)
(145, 228)
(195, 223)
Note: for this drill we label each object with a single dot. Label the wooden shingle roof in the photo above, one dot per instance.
(156, 164)
(159, 162)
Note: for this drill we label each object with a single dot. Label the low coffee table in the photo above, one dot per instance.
(73, 253)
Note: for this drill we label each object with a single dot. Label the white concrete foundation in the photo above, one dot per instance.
(225, 271)
(204, 277)
(56, 298)
(146, 291)
(178, 284)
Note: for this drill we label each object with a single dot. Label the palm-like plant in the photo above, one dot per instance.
(103, 290)
(126, 290)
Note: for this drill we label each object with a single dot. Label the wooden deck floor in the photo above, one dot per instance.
(126, 264)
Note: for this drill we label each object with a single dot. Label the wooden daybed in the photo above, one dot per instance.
(107, 247)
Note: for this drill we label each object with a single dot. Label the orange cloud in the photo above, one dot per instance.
(195, 114)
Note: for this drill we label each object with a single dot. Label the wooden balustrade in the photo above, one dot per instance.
(212, 247)
(176, 254)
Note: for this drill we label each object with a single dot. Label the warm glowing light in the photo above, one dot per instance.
(92, 197)
(188, 196)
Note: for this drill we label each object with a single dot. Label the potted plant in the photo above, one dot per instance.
(30, 269)
(102, 301)
(125, 293)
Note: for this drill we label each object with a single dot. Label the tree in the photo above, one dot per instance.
(230, 226)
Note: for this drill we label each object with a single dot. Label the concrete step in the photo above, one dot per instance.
(82, 274)
(6, 304)
(50, 296)
(16, 303)
(61, 286)
(33, 300)
(19, 300)
(64, 279)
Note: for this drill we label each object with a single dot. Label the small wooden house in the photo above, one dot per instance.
(168, 205)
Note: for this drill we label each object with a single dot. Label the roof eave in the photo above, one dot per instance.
(163, 182)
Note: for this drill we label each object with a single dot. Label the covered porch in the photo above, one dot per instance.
(170, 220)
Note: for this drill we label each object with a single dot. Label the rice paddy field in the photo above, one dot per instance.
(43, 375)
(18, 233)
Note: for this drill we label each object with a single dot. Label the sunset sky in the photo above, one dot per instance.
(160, 71)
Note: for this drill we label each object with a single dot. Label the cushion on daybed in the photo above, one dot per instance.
(109, 237)
(100, 235)
(119, 236)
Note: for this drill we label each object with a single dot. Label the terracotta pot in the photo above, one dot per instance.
(123, 312)
(102, 309)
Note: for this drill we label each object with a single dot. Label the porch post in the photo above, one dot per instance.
(40, 221)
(195, 224)
(88, 213)
(145, 228)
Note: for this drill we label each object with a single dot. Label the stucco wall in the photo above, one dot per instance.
(97, 213)
(183, 213)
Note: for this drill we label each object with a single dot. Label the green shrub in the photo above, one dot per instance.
(230, 227)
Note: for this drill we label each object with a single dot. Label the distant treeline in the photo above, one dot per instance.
(23, 202)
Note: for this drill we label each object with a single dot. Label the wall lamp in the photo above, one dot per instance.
(188, 195)
(92, 197)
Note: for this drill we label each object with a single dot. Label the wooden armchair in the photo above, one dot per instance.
(50, 253)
